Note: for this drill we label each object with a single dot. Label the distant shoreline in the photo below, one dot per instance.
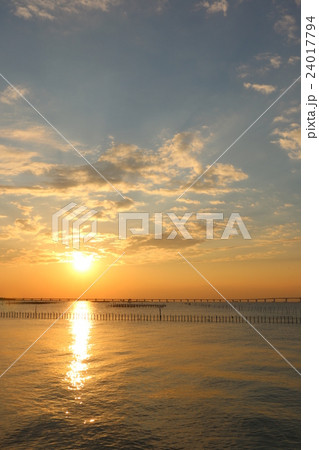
(150, 301)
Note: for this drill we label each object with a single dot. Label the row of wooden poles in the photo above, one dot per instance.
(149, 317)
(159, 300)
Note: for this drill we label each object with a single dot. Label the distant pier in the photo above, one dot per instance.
(122, 302)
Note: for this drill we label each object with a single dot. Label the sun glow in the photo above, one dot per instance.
(82, 262)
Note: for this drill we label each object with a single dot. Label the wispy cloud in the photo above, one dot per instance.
(9, 96)
(157, 171)
(286, 115)
(215, 6)
(15, 161)
(51, 9)
(264, 63)
(34, 135)
(272, 60)
(289, 140)
(293, 60)
(287, 27)
(262, 88)
(220, 176)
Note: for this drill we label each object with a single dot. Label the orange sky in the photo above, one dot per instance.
(173, 279)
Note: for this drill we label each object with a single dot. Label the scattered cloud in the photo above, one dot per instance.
(262, 88)
(25, 210)
(272, 61)
(287, 27)
(288, 131)
(9, 96)
(160, 171)
(161, 4)
(35, 135)
(293, 60)
(216, 6)
(188, 201)
(15, 161)
(286, 115)
(218, 178)
(50, 9)
(216, 202)
(289, 140)
(28, 224)
(265, 62)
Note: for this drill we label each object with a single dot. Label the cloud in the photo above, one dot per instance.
(243, 70)
(286, 115)
(25, 210)
(188, 201)
(219, 177)
(181, 151)
(161, 171)
(22, 226)
(289, 140)
(280, 119)
(50, 9)
(129, 157)
(275, 61)
(262, 88)
(15, 161)
(35, 135)
(266, 62)
(287, 27)
(161, 4)
(26, 225)
(216, 202)
(153, 246)
(171, 161)
(215, 6)
(9, 96)
(293, 60)
(172, 165)
(272, 61)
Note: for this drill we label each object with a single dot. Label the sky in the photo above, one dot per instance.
(150, 93)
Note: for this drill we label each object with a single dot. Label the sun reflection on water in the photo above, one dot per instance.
(77, 374)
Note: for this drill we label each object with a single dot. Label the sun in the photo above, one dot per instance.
(81, 261)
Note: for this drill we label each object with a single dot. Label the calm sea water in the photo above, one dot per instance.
(144, 385)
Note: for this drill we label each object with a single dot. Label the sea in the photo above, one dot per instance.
(89, 382)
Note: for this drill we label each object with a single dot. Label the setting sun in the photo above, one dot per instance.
(81, 261)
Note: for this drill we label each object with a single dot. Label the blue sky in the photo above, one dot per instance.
(151, 92)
